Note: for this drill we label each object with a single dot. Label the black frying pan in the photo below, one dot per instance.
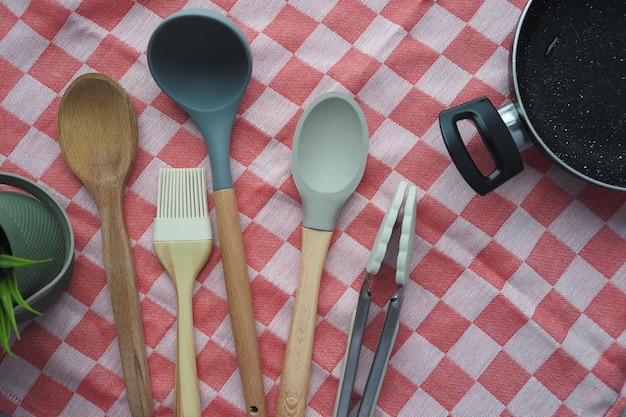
(568, 73)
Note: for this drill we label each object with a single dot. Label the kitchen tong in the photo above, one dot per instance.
(390, 326)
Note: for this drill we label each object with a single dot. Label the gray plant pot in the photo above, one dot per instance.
(36, 227)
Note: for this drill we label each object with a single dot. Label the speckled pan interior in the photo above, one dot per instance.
(570, 71)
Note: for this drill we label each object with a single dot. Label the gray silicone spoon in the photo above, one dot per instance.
(330, 149)
(202, 61)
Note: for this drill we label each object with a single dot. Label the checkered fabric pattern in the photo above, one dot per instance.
(516, 303)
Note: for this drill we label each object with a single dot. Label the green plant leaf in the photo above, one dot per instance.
(10, 261)
(17, 296)
(10, 293)
(5, 332)
(7, 302)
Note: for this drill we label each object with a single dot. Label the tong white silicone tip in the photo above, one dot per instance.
(379, 249)
(407, 237)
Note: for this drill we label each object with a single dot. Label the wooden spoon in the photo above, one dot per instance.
(97, 130)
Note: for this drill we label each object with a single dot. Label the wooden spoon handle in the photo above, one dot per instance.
(294, 379)
(120, 273)
(240, 301)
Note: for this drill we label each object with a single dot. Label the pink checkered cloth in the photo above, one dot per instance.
(516, 304)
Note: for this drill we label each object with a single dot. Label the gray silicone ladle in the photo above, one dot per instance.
(202, 61)
(330, 148)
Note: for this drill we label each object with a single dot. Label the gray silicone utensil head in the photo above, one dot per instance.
(330, 148)
(202, 61)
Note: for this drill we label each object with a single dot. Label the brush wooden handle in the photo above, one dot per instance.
(183, 261)
(240, 301)
(186, 393)
(294, 380)
(119, 269)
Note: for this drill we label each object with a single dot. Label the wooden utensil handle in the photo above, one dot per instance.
(294, 380)
(183, 260)
(120, 273)
(240, 301)
(186, 386)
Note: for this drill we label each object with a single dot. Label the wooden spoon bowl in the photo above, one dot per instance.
(96, 108)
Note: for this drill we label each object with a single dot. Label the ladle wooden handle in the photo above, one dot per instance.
(240, 301)
(294, 379)
(120, 274)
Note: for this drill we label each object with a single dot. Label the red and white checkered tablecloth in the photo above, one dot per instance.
(516, 304)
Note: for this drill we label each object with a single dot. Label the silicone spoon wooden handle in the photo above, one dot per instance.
(240, 301)
(294, 379)
(120, 274)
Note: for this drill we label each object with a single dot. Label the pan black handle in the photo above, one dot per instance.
(495, 135)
